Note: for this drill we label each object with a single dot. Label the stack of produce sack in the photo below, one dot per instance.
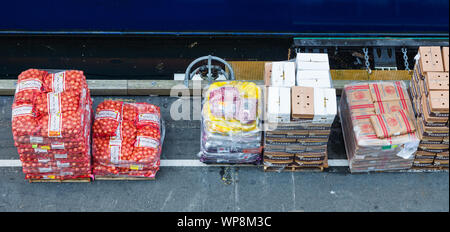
(231, 123)
(127, 139)
(51, 121)
(378, 126)
(430, 93)
(300, 111)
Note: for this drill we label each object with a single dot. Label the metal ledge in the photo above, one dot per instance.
(370, 42)
(146, 87)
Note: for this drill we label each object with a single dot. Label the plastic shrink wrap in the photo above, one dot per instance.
(127, 139)
(231, 123)
(51, 121)
(378, 107)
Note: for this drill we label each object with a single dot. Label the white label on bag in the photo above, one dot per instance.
(54, 103)
(142, 141)
(60, 156)
(22, 110)
(115, 142)
(148, 118)
(62, 165)
(36, 140)
(115, 153)
(29, 84)
(83, 98)
(107, 114)
(43, 160)
(57, 145)
(54, 125)
(66, 173)
(58, 82)
(40, 150)
(45, 169)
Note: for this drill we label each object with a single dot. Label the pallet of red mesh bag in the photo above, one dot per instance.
(127, 139)
(51, 122)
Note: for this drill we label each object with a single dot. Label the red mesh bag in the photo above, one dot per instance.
(70, 80)
(29, 84)
(102, 170)
(63, 125)
(63, 157)
(24, 120)
(56, 176)
(62, 102)
(107, 118)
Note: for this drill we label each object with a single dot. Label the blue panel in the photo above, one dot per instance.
(293, 16)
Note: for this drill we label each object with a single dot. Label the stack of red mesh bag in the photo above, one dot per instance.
(51, 118)
(127, 139)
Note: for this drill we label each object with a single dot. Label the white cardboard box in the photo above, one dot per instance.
(314, 78)
(325, 106)
(312, 57)
(279, 104)
(283, 74)
(312, 61)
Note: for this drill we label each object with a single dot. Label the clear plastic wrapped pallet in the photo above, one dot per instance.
(127, 139)
(51, 121)
(231, 123)
(377, 125)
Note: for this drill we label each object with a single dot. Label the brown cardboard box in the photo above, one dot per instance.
(436, 81)
(392, 106)
(416, 74)
(425, 155)
(302, 102)
(278, 159)
(430, 60)
(358, 94)
(279, 154)
(435, 148)
(302, 163)
(432, 131)
(445, 58)
(432, 117)
(388, 91)
(421, 88)
(438, 101)
(392, 124)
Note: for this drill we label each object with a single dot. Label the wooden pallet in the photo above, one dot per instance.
(78, 180)
(122, 178)
(293, 169)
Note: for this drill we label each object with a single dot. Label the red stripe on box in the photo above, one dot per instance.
(365, 106)
(380, 105)
(383, 126)
(405, 119)
(402, 96)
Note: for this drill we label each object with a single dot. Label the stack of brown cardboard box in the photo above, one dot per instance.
(378, 126)
(299, 117)
(429, 88)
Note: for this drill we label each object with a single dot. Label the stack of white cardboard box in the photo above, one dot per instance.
(429, 88)
(301, 106)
